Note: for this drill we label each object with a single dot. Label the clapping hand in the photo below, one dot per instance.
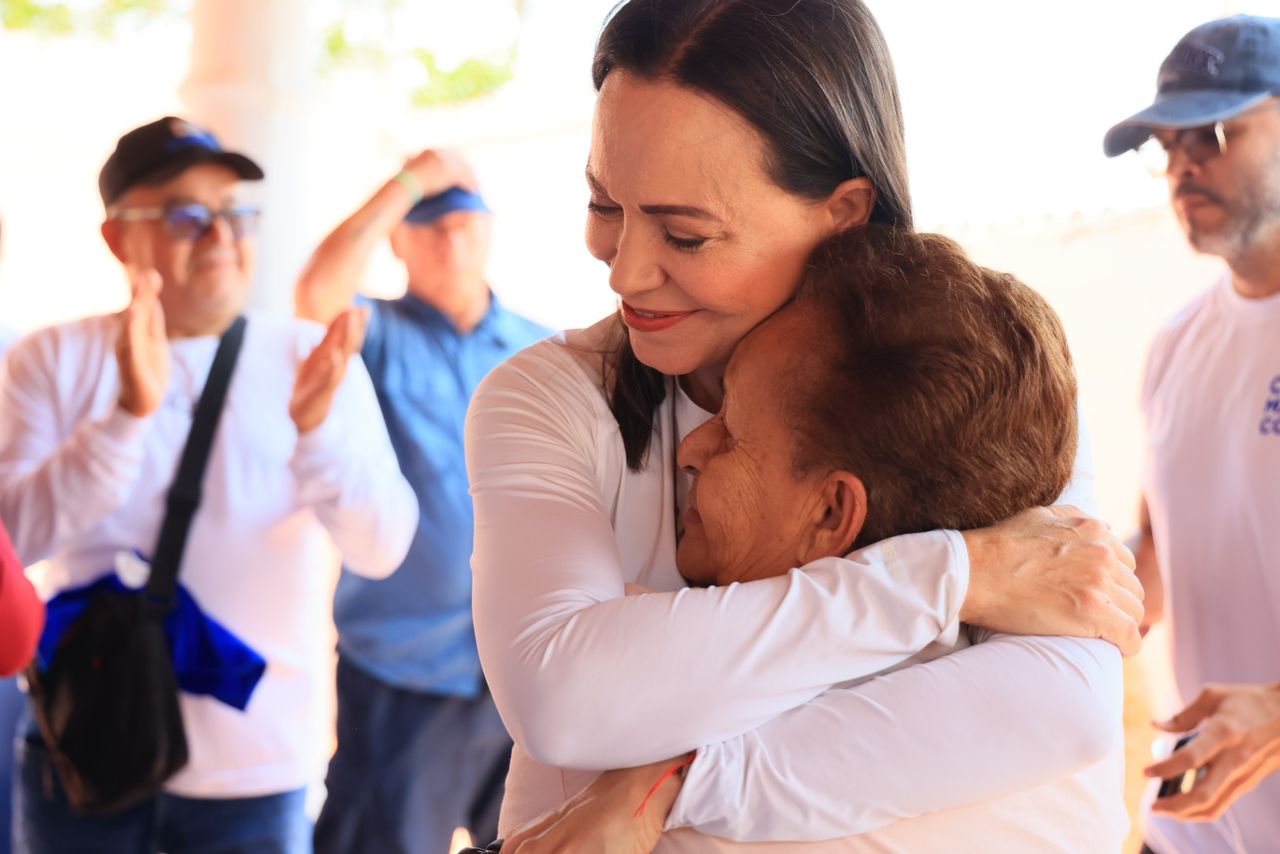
(322, 372)
(142, 347)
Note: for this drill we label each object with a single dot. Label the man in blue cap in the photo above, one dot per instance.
(1212, 402)
(421, 749)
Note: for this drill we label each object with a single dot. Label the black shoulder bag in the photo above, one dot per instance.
(107, 705)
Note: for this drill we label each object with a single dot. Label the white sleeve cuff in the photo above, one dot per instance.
(960, 580)
(123, 428)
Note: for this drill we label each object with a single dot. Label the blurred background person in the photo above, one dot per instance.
(11, 699)
(1212, 404)
(21, 611)
(93, 417)
(421, 749)
(21, 618)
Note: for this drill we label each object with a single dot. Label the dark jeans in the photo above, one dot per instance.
(44, 822)
(12, 703)
(409, 768)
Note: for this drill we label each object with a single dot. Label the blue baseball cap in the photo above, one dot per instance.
(1216, 72)
(453, 199)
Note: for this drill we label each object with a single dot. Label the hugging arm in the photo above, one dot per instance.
(561, 646)
(984, 722)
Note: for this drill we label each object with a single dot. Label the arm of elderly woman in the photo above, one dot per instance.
(560, 644)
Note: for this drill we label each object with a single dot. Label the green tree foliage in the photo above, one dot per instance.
(472, 78)
(104, 17)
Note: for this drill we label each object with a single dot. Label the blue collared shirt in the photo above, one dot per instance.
(413, 629)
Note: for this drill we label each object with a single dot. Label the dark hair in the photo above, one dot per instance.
(946, 387)
(814, 77)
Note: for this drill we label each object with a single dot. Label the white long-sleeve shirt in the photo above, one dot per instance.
(82, 481)
(588, 679)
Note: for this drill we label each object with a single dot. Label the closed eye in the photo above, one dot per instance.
(600, 209)
(684, 244)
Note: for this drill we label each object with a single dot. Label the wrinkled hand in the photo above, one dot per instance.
(142, 347)
(321, 374)
(438, 169)
(1238, 745)
(1053, 571)
(601, 819)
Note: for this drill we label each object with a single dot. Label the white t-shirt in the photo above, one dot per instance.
(82, 481)
(1212, 485)
(586, 678)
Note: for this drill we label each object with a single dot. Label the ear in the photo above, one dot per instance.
(838, 518)
(115, 242)
(851, 204)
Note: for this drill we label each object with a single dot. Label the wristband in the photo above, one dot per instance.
(405, 179)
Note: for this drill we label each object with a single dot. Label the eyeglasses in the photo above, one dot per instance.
(1201, 144)
(193, 221)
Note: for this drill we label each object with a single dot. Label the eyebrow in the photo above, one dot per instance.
(678, 210)
(659, 210)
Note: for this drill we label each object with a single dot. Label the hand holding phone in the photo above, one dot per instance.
(492, 848)
(1184, 781)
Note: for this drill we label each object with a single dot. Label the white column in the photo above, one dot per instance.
(252, 82)
(253, 67)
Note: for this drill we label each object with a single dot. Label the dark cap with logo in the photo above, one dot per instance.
(1216, 72)
(156, 152)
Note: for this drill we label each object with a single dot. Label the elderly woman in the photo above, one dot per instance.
(906, 389)
(731, 137)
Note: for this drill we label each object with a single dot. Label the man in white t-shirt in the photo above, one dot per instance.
(93, 417)
(1211, 398)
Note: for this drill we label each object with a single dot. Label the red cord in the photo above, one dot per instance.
(674, 769)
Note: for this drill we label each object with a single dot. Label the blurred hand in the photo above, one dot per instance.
(142, 347)
(321, 374)
(1053, 571)
(1238, 745)
(438, 169)
(602, 819)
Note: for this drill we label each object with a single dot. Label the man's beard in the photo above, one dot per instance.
(1251, 218)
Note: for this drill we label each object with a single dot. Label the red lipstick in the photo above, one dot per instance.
(651, 321)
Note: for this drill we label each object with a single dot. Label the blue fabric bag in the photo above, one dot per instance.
(207, 657)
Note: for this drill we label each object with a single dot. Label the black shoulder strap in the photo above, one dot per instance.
(185, 493)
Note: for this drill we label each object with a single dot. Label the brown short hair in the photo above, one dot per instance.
(946, 387)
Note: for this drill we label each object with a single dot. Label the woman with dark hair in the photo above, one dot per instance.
(936, 394)
(730, 139)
